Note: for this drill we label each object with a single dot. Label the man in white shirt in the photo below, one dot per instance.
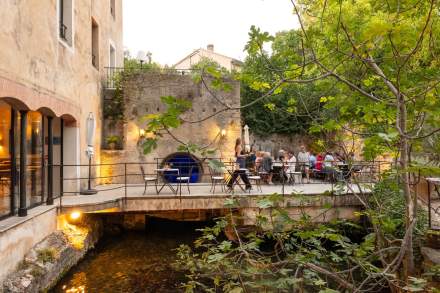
(304, 162)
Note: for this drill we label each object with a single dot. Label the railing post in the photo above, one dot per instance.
(125, 181)
(22, 211)
(49, 200)
(429, 204)
(282, 178)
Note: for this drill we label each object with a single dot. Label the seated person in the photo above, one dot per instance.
(312, 160)
(319, 162)
(258, 159)
(329, 167)
(266, 167)
(291, 163)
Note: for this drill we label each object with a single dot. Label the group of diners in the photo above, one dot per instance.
(286, 166)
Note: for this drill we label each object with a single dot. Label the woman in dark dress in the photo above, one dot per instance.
(241, 162)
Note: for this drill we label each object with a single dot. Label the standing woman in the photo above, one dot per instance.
(241, 162)
(240, 157)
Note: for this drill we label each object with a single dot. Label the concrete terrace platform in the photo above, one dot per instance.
(112, 197)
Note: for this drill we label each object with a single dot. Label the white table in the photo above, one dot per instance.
(161, 172)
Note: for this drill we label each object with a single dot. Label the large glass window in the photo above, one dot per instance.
(5, 159)
(34, 158)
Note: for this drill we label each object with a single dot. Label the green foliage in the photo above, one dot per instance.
(214, 72)
(281, 254)
(113, 139)
(114, 107)
(289, 109)
(46, 255)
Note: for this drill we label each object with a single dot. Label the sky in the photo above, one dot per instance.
(172, 29)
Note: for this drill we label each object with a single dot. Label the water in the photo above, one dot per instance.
(133, 261)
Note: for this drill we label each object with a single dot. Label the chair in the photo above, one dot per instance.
(257, 180)
(217, 176)
(294, 177)
(148, 179)
(184, 177)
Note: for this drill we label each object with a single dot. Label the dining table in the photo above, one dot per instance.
(162, 172)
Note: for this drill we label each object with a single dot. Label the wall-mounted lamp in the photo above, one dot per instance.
(141, 133)
(223, 132)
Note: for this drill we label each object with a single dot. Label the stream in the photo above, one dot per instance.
(133, 261)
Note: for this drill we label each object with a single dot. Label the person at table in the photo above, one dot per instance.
(281, 156)
(312, 160)
(319, 162)
(250, 160)
(291, 162)
(258, 159)
(329, 166)
(266, 167)
(303, 159)
(241, 163)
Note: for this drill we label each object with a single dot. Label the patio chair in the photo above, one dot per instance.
(255, 178)
(184, 177)
(217, 177)
(294, 177)
(148, 179)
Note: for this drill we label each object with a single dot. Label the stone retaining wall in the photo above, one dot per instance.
(47, 261)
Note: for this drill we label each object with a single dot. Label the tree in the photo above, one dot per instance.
(375, 65)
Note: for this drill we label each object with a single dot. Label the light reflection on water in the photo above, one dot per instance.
(132, 262)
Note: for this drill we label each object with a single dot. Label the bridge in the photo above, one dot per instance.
(321, 201)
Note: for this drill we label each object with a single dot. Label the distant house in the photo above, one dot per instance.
(197, 55)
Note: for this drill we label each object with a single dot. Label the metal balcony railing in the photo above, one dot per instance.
(114, 74)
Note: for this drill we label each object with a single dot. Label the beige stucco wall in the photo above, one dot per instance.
(192, 59)
(16, 241)
(40, 71)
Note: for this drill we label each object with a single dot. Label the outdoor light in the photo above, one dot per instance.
(141, 133)
(223, 132)
(75, 215)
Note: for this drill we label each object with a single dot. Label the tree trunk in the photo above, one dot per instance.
(405, 181)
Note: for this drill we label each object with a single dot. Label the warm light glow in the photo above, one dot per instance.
(141, 132)
(75, 215)
(223, 132)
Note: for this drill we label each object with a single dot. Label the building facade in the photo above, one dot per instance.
(53, 61)
(196, 56)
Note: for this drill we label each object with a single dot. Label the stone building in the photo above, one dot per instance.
(142, 92)
(197, 55)
(53, 60)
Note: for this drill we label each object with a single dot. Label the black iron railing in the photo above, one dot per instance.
(433, 203)
(159, 176)
(114, 74)
(63, 31)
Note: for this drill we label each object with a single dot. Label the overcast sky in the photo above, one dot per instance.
(171, 29)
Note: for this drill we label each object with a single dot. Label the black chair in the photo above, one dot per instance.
(184, 176)
(148, 179)
(217, 177)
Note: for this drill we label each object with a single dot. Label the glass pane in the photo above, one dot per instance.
(34, 158)
(5, 159)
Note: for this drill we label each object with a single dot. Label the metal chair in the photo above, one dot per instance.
(217, 176)
(294, 177)
(184, 177)
(257, 180)
(148, 179)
